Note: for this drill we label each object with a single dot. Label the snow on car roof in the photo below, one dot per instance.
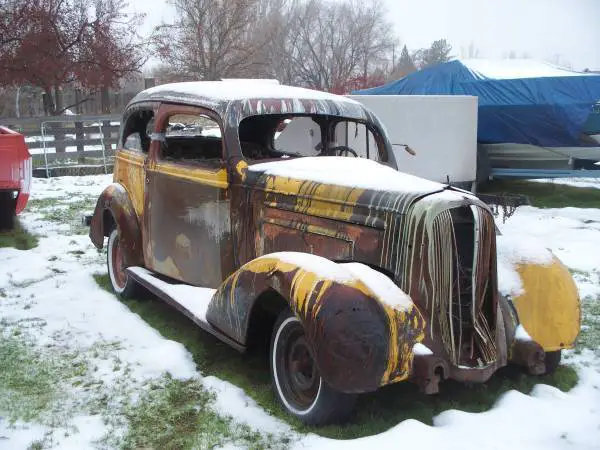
(240, 90)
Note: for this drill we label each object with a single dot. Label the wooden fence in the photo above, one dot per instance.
(68, 141)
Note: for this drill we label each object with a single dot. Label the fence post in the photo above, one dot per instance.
(59, 138)
(106, 146)
(79, 136)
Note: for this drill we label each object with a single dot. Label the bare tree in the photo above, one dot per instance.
(321, 44)
(337, 46)
(213, 39)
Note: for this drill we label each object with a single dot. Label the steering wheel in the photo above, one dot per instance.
(341, 149)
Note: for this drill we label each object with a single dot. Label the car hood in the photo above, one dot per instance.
(352, 189)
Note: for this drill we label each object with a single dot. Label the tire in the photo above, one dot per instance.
(7, 211)
(303, 393)
(552, 361)
(122, 284)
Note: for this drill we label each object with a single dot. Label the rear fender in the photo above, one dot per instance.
(361, 339)
(114, 202)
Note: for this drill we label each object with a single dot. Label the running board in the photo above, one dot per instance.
(190, 300)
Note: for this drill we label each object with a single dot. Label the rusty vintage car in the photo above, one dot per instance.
(265, 209)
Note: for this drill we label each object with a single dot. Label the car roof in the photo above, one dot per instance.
(264, 97)
(239, 90)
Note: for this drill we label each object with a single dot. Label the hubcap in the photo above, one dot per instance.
(300, 375)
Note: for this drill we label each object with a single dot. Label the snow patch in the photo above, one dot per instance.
(382, 286)
(521, 334)
(230, 90)
(515, 249)
(523, 250)
(323, 267)
(194, 299)
(359, 173)
(509, 69)
(575, 182)
(231, 400)
(421, 350)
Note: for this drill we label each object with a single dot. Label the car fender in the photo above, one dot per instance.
(115, 202)
(548, 306)
(361, 340)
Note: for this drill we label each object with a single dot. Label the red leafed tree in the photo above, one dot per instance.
(51, 43)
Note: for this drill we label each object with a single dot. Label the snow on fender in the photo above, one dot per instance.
(542, 291)
(360, 325)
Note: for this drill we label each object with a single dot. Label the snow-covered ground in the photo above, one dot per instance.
(50, 300)
(575, 182)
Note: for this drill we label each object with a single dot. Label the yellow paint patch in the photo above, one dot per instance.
(215, 178)
(549, 309)
(183, 243)
(304, 289)
(335, 202)
(166, 267)
(241, 168)
(129, 171)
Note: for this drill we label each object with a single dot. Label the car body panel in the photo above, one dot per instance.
(549, 307)
(359, 340)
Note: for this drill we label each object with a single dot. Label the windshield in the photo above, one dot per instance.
(272, 137)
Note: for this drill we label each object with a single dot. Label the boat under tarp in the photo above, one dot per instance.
(524, 103)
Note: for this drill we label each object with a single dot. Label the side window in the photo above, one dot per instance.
(137, 130)
(192, 138)
(357, 137)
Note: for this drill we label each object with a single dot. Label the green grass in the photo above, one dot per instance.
(31, 381)
(18, 238)
(546, 195)
(375, 412)
(590, 334)
(35, 204)
(70, 213)
(176, 414)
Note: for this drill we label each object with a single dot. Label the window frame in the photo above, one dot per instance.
(168, 110)
(130, 116)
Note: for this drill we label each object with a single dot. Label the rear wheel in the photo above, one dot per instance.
(296, 379)
(122, 283)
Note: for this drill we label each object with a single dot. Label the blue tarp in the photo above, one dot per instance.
(545, 111)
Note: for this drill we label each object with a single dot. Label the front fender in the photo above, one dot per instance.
(115, 202)
(548, 307)
(361, 326)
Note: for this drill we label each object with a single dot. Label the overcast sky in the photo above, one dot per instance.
(563, 30)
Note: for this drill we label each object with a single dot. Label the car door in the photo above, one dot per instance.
(187, 201)
(132, 154)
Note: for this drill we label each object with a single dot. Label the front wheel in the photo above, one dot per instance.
(552, 360)
(296, 379)
(122, 284)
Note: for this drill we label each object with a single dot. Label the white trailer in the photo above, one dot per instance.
(441, 129)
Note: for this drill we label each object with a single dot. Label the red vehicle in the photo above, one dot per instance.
(15, 176)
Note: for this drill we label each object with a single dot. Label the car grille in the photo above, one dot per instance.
(446, 263)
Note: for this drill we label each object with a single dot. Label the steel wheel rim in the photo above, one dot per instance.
(119, 275)
(299, 376)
